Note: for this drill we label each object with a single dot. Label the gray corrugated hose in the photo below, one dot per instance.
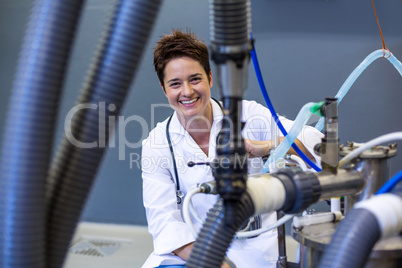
(28, 133)
(216, 234)
(371, 219)
(353, 240)
(74, 168)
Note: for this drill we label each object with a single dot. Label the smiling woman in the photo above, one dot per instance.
(182, 64)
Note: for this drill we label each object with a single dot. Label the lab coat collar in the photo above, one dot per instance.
(177, 127)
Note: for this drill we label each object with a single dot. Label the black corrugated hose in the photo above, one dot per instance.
(216, 235)
(352, 241)
(112, 70)
(28, 134)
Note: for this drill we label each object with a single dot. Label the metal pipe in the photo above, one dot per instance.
(330, 143)
(282, 258)
(374, 165)
(230, 165)
(345, 182)
(230, 52)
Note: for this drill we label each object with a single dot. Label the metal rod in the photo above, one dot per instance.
(282, 258)
(345, 182)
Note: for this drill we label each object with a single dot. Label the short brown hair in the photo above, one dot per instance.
(179, 44)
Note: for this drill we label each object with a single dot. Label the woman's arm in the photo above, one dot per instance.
(257, 132)
(165, 222)
(185, 251)
(262, 148)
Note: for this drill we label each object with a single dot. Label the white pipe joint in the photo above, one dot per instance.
(387, 208)
(267, 193)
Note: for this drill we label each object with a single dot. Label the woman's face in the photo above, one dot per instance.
(187, 87)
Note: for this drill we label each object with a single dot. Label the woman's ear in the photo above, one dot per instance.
(211, 82)
(163, 88)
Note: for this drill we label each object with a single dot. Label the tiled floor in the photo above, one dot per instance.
(106, 245)
(97, 245)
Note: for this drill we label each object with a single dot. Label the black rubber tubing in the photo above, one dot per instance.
(216, 235)
(28, 134)
(352, 241)
(74, 169)
(230, 22)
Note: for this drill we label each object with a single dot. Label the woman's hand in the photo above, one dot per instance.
(225, 265)
(263, 148)
(185, 251)
(257, 148)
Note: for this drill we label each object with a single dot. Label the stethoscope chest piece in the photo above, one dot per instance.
(180, 196)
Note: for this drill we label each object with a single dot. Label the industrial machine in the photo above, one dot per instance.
(230, 29)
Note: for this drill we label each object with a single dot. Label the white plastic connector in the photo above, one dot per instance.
(388, 210)
(298, 160)
(316, 218)
(267, 193)
(335, 204)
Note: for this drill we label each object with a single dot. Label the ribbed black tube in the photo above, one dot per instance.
(230, 22)
(112, 70)
(230, 170)
(28, 135)
(352, 241)
(216, 234)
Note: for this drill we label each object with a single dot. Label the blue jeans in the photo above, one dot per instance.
(171, 266)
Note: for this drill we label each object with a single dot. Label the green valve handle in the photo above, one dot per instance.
(316, 108)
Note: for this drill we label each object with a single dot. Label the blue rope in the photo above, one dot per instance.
(387, 187)
(271, 107)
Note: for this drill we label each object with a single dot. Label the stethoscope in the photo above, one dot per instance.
(179, 193)
(252, 225)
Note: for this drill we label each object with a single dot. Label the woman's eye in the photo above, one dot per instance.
(195, 79)
(174, 84)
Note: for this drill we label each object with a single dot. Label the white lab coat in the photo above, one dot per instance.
(164, 216)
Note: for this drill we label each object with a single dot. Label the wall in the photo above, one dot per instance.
(306, 51)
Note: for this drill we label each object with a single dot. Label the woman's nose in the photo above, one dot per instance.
(187, 89)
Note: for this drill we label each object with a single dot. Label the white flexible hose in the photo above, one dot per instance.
(245, 229)
(187, 207)
(266, 229)
(365, 146)
(195, 214)
(298, 160)
(240, 234)
(186, 210)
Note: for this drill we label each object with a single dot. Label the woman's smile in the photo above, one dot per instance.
(189, 103)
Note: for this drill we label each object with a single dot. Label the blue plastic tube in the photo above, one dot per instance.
(358, 71)
(272, 110)
(389, 185)
(300, 121)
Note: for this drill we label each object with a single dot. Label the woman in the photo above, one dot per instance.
(181, 62)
